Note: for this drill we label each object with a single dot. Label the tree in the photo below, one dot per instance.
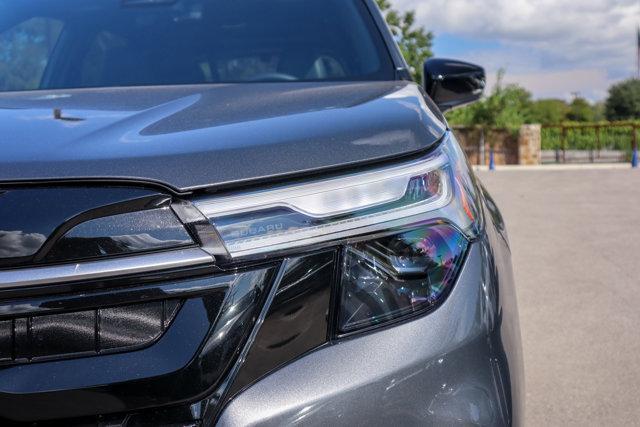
(599, 111)
(548, 111)
(580, 110)
(624, 101)
(506, 107)
(415, 42)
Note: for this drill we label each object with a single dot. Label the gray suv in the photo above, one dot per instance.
(242, 212)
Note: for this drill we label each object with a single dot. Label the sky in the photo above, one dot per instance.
(554, 48)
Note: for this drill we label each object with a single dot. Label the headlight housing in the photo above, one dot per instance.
(398, 275)
(404, 230)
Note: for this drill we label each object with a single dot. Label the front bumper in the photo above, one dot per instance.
(461, 364)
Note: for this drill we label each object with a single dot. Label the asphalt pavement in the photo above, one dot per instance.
(575, 238)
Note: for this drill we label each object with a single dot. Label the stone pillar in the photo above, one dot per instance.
(530, 145)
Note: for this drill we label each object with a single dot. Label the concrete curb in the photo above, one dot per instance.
(563, 167)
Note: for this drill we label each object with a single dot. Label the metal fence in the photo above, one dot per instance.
(589, 143)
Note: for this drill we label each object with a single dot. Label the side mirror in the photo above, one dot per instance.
(452, 83)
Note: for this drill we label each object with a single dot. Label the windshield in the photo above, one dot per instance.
(65, 44)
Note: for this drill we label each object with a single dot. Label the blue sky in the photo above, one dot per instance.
(554, 48)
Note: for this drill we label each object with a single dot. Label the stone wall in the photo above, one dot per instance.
(510, 148)
(529, 145)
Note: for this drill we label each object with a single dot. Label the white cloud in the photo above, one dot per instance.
(17, 243)
(593, 39)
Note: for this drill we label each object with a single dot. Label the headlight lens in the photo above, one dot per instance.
(405, 230)
(399, 275)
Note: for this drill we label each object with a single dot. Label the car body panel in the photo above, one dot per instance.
(190, 137)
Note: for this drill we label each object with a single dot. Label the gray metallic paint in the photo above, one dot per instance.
(190, 137)
(460, 365)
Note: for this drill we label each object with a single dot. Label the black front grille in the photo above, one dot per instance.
(84, 333)
(125, 312)
(61, 351)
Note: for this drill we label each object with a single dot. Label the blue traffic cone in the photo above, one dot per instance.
(492, 160)
(634, 158)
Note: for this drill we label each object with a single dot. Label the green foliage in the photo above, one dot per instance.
(506, 107)
(586, 138)
(414, 41)
(599, 112)
(548, 111)
(580, 111)
(624, 101)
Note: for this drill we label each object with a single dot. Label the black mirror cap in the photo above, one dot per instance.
(451, 83)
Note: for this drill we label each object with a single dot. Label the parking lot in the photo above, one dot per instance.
(575, 237)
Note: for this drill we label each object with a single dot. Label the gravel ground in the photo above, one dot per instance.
(575, 237)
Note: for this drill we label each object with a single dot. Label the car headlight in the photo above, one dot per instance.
(399, 275)
(403, 229)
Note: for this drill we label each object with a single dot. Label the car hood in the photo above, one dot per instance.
(191, 137)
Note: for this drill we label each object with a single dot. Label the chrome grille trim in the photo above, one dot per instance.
(103, 269)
